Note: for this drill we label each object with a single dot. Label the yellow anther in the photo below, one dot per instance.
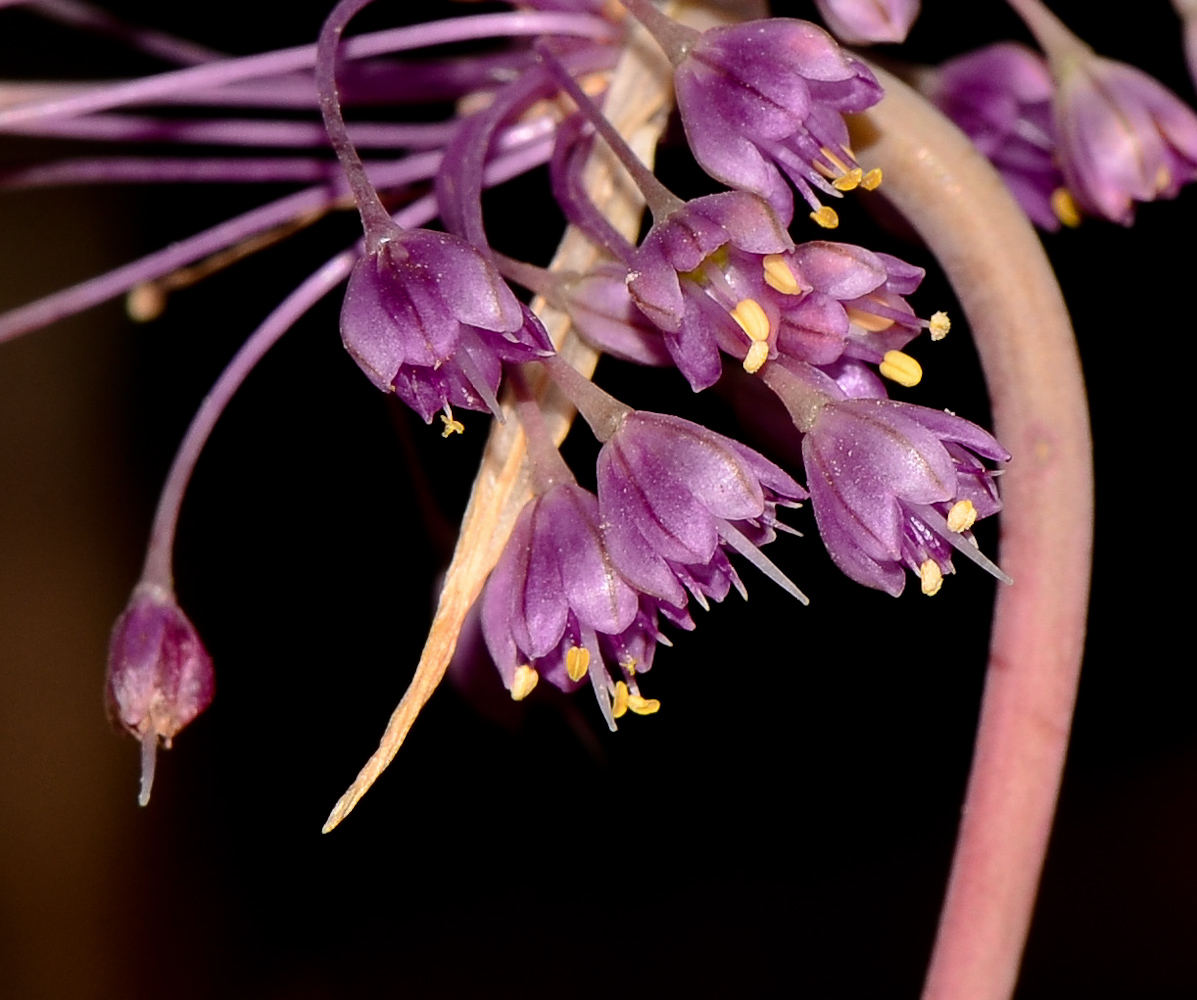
(752, 319)
(577, 662)
(630, 666)
(826, 217)
(779, 277)
(1065, 207)
(867, 321)
(931, 577)
(939, 325)
(643, 706)
(872, 180)
(452, 426)
(962, 515)
(848, 181)
(524, 681)
(901, 368)
(756, 357)
(1163, 179)
(619, 705)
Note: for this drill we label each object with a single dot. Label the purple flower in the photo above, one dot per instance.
(670, 272)
(856, 298)
(1001, 98)
(554, 592)
(862, 22)
(766, 97)
(427, 317)
(674, 495)
(1124, 137)
(893, 485)
(160, 676)
(601, 310)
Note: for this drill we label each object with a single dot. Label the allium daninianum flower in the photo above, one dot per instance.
(768, 97)
(160, 677)
(1001, 98)
(428, 317)
(675, 495)
(555, 603)
(895, 485)
(1124, 137)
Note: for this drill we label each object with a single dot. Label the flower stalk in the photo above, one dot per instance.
(994, 260)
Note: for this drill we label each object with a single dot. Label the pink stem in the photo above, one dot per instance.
(994, 260)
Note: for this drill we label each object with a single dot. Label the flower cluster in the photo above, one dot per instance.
(724, 283)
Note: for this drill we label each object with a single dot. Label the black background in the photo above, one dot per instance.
(782, 827)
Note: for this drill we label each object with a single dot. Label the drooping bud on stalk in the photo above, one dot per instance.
(160, 676)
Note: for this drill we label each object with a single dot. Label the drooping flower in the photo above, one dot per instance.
(863, 22)
(1124, 137)
(764, 98)
(675, 497)
(1001, 98)
(892, 485)
(428, 317)
(160, 677)
(669, 274)
(555, 602)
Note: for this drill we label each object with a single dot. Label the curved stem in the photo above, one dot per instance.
(158, 560)
(959, 205)
(376, 220)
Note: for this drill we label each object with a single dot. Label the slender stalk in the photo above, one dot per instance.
(960, 206)
(93, 291)
(376, 220)
(661, 201)
(1059, 44)
(197, 78)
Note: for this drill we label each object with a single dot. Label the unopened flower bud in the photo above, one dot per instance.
(159, 674)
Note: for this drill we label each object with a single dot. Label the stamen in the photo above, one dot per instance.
(931, 577)
(940, 325)
(778, 275)
(825, 216)
(643, 706)
(850, 181)
(577, 662)
(756, 357)
(1163, 179)
(452, 426)
(524, 681)
(1065, 207)
(872, 180)
(834, 160)
(629, 666)
(867, 321)
(751, 319)
(901, 368)
(962, 516)
(620, 706)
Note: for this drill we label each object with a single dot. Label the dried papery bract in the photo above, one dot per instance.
(160, 676)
